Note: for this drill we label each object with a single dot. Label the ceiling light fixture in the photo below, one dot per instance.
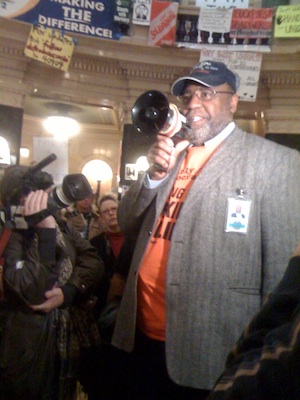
(62, 128)
(24, 152)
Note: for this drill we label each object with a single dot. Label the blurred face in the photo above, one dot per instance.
(208, 118)
(85, 205)
(108, 211)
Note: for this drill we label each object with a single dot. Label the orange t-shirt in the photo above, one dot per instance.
(151, 313)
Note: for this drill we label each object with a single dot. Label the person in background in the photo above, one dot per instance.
(195, 278)
(107, 372)
(108, 244)
(264, 364)
(50, 272)
(85, 217)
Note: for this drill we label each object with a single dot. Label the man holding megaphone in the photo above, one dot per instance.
(196, 277)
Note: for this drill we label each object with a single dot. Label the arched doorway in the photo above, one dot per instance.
(99, 175)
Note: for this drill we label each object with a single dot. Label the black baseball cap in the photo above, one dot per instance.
(207, 73)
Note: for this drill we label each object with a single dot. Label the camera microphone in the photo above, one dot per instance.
(40, 165)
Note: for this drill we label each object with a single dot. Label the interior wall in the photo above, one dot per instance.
(117, 72)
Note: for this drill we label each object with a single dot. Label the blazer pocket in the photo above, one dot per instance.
(249, 291)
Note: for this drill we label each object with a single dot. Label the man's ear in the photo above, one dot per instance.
(234, 103)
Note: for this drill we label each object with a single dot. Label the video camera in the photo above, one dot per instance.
(18, 181)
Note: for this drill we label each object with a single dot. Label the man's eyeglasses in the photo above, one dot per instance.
(109, 210)
(202, 95)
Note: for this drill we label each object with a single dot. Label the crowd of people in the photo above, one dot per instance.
(188, 288)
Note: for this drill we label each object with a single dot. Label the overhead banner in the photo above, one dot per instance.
(87, 17)
(163, 21)
(287, 22)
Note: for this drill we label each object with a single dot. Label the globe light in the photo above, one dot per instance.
(62, 128)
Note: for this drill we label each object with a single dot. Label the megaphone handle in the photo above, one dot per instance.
(176, 122)
(177, 138)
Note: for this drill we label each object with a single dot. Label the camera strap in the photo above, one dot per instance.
(36, 218)
(5, 235)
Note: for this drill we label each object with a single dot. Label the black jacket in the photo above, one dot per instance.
(31, 266)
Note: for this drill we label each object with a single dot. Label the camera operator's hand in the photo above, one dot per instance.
(35, 203)
(55, 299)
(162, 156)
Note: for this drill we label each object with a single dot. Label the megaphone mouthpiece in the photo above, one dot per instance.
(174, 123)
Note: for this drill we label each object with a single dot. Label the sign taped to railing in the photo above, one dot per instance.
(50, 47)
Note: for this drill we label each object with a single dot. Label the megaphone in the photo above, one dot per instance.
(153, 114)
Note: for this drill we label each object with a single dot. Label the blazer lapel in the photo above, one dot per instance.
(219, 163)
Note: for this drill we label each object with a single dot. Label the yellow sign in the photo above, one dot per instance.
(287, 22)
(50, 47)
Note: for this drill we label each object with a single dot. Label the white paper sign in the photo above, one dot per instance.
(215, 20)
(245, 64)
(13, 8)
(141, 12)
(223, 3)
(43, 147)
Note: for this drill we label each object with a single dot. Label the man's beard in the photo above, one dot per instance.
(197, 136)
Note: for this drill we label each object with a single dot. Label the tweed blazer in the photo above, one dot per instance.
(264, 363)
(216, 280)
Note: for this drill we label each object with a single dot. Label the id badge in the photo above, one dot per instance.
(238, 212)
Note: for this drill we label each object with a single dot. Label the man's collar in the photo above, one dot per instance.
(222, 135)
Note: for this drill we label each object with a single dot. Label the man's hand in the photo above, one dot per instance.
(55, 299)
(297, 250)
(36, 202)
(162, 156)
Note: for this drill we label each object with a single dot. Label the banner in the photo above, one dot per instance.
(163, 21)
(287, 22)
(87, 17)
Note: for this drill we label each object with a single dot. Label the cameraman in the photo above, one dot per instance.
(49, 273)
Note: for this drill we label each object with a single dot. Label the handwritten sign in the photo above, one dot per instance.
(215, 20)
(223, 3)
(287, 20)
(245, 65)
(50, 47)
(13, 8)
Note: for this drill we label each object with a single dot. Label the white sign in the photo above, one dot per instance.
(141, 12)
(215, 20)
(223, 3)
(43, 147)
(13, 8)
(245, 64)
(131, 172)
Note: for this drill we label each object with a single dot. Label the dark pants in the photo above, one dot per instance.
(150, 377)
(105, 374)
